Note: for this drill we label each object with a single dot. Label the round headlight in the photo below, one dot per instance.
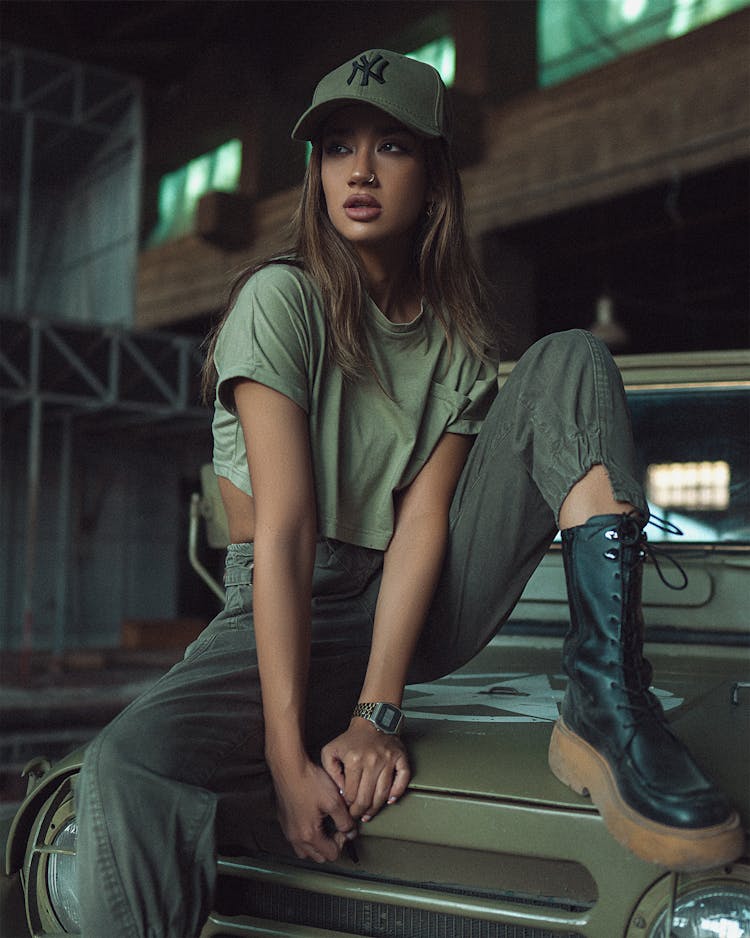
(717, 911)
(61, 878)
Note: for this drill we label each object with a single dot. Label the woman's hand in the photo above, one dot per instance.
(369, 767)
(305, 799)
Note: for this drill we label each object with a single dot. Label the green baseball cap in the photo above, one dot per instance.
(410, 91)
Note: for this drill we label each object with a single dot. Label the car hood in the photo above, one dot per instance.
(484, 730)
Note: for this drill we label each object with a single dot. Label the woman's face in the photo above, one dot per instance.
(374, 180)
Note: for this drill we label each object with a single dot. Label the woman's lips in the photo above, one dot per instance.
(362, 207)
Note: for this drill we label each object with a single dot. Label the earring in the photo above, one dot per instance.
(430, 210)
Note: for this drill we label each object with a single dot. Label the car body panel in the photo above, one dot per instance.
(462, 748)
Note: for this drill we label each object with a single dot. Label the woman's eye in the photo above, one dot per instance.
(335, 149)
(393, 146)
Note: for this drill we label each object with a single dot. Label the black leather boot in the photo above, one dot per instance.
(612, 740)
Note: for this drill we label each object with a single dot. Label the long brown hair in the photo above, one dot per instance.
(450, 278)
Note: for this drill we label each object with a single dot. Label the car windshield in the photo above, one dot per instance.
(694, 448)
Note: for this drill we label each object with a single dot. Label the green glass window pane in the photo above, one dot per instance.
(171, 198)
(575, 36)
(198, 176)
(227, 163)
(179, 191)
(441, 55)
(170, 193)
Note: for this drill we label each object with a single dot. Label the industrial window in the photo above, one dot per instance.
(695, 458)
(179, 191)
(695, 486)
(577, 35)
(441, 55)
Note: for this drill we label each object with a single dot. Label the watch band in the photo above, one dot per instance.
(385, 717)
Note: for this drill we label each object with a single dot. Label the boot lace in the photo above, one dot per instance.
(654, 553)
(640, 699)
(630, 533)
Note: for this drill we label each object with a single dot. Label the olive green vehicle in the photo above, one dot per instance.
(488, 843)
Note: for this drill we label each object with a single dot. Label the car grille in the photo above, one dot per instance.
(361, 917)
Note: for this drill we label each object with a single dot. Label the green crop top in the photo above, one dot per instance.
(365, 444)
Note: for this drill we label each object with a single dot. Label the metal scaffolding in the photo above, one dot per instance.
(70, 166)
(70, 170)
(68, 373)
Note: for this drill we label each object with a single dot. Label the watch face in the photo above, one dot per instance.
(388, 718)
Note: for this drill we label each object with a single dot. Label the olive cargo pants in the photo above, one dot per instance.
(182, 768)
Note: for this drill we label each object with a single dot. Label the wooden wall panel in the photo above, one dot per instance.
(191, 277)
(675, 108)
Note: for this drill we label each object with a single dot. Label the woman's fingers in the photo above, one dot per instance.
(312, 813)
(334, 766)
(401, 779)
(369, 768)
(380, 794)
(341, 821)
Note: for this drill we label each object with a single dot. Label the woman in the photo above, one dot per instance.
(386, 507)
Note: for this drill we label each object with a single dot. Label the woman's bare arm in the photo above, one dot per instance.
(411, 568)
(369, 766)
(278, 448)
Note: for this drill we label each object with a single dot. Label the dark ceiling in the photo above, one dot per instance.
(151, 40)
(159, 40)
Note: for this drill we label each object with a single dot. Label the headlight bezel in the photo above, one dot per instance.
(57, 812)
(650, 910)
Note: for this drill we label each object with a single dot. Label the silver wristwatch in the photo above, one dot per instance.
(384, 716)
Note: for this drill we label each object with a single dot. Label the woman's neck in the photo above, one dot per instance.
(393, 287)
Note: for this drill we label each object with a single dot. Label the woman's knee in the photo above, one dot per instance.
(564, 360)
(121, 754)
(100, 762)
(105, 776)
(561, 349)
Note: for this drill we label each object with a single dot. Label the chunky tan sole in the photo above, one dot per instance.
(583, 769)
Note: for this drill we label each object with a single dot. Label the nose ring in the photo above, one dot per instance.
(371, 180)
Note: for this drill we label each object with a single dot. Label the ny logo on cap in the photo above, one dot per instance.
(373, 69)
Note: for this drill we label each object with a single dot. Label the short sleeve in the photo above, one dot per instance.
(480, 396)
(266, 336)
